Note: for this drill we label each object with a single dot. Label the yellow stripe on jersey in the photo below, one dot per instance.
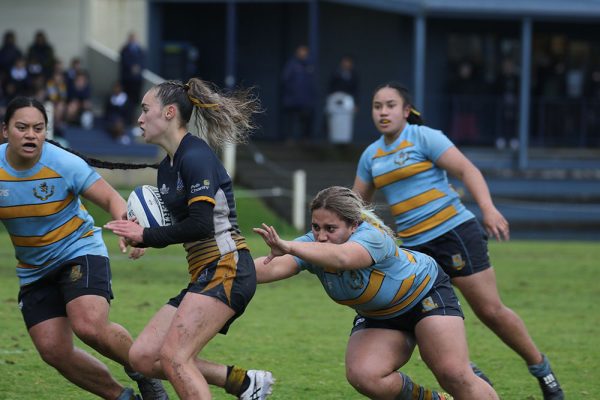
(44, 173)
(401, 173)
(404, 288)
(194, 248)
(375, 281)
(399, 306)
(410, 256)
(29, 266)
(202, 198)
(51, 237)
(225, 274)
(429, 223)
(88, 233)
(35, 210)
(416, 201)
(202, 253)
(381, 153)
(201, 259)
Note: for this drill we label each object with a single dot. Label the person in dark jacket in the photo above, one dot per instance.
(9, 53)
(132, 64)
(299, 95)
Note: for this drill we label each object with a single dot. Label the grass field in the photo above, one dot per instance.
(294, 330)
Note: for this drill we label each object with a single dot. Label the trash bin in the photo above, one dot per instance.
(340, 117)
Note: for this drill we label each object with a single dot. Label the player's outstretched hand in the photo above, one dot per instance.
(278, 246)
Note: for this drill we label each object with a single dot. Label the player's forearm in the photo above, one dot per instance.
(476, 185)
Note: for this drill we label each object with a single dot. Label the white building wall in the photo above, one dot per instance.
(70, 24)
(112, 20)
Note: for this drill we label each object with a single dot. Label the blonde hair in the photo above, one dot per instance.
(349, 206)
(219, 117)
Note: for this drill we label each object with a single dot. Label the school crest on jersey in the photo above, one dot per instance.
(357, 280)
(76, 273)
(164, 190)
(43, 191)
(428, 304)
(457, 262)
(180, 187)
(401, 158)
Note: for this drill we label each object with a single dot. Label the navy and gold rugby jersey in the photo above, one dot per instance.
(196, 174)
(421, 199)
(43, 214)
(397, 280)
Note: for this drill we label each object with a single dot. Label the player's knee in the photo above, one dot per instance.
(491, 313)
(141, 360)
(362, 380)
(452, 377)
(89, 333)
(54, 355)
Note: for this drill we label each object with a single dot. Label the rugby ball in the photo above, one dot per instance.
(146, 205)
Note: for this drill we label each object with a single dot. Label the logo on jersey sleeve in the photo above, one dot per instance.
(4, 192)
(197, 187)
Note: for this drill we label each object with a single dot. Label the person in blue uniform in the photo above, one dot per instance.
(402, 298)
(198, 192)
(409, 163)
(62, 262)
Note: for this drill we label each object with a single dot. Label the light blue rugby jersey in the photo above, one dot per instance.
(421, 199)
(41, 211)
(396, 281)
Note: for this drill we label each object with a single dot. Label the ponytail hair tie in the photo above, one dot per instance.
(413, 111)
(200, 104)
(186, 87)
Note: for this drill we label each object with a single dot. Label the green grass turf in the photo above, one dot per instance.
(294, 330)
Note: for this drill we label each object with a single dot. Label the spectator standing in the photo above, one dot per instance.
(342, 101)
(299, 95)
(132, 64)
(9, 53)
(345, 79)
(40, 51)
(507, 87)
